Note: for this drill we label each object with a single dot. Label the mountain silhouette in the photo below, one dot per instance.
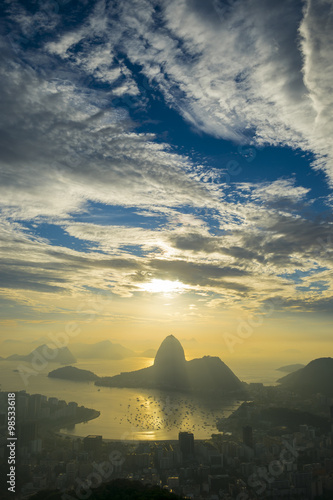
(171, 371)
(316, 377)
(290, 368)
(43, 353)
(170, 365)
(210, 374)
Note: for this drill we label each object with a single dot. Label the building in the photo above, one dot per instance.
(93, 443)
(34, 405)
(218, 482)
(248, 436)
(173, 483)
(27, 432)
(331, 412)
(71, 472)
(186, 444)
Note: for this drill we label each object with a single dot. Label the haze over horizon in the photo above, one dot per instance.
(167, 168)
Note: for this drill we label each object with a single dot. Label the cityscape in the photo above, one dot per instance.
(276, 444)
(166, 249)
(251, 463)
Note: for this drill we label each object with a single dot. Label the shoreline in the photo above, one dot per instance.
(129, 441)
(87, 414)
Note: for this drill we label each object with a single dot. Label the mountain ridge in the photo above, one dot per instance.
(290, 368)
(171, 371)
(315, 377)
(60, 355)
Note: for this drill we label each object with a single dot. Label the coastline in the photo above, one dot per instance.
(129, 441)
(83, 415)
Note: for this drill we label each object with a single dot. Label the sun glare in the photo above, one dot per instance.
(163, 286)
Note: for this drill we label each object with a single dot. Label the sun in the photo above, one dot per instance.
(163, 286)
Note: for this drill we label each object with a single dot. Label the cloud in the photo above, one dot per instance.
(67, 144)
(30, 263)
(228, 68)
(250, 269)
(282, 193)
(79, 149)
(113, 237)
(316, 31)
(199, 274)
(322, 305)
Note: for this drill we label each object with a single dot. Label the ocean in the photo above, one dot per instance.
(131, 414)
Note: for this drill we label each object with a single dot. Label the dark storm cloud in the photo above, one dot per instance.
(198, 274)
(321, 305)
(289, 235)
(196, 242)
(23, 279)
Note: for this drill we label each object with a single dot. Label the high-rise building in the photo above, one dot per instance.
(93, 443)
(186, 443)
(331, 412)
(248, 436)
(331, 415)
(34, 405)
(27, 432)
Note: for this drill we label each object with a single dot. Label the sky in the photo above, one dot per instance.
(167, 168)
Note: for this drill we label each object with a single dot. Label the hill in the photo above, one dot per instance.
(316, 377)
(171, 371)
(274, 420)
(210, 374)
(290, 368)
(43, 354)
(73, 373)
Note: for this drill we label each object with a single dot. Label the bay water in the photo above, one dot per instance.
(130, 414)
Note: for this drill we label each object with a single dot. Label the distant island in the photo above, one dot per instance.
(207, 375)
(171, 371)
(104, 349)
(73, 373)
(315, 377)
(290, 368)
(61, 355)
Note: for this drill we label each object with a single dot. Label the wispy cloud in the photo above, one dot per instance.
(72, 148)
(227, 68)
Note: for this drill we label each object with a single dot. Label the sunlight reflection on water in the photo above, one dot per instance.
(128, 414)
